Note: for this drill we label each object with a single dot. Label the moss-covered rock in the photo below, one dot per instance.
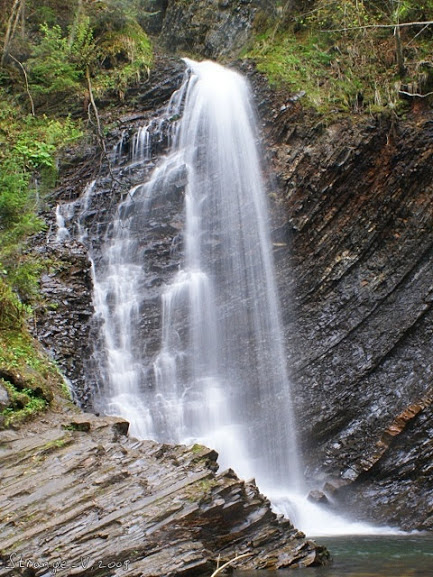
(29, 380)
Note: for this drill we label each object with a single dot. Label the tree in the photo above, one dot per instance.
(17, 12)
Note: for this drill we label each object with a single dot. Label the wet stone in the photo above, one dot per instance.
(130, 509)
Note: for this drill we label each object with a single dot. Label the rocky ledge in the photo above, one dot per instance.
(83, 498)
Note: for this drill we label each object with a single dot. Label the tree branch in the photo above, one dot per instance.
(11, 27)
(219, 569)
(415, 94)
(27, 83)
(95, 111)
(366, 26)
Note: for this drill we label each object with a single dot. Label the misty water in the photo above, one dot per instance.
(220, 376)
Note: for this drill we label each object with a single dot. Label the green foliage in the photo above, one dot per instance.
(82, 48)
(51, 68)
(107, 41)
(126, 54)
(17, 351)
(330, 14)
(28, 375)
(11, 309)
(24, 404)
(344, 62)
(28, 149)
(296, 61)
(13, 199)
(36, 154)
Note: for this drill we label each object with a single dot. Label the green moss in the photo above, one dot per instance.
(24, 404)
(297, 62)
(28, 150)
(201, 491)
(206, 485)
(30, 377)
(19, 353)
(52, 446)
(127, 56)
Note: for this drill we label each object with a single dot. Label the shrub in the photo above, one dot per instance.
(51, 68)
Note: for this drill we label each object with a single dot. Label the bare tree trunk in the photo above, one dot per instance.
(100, 133)
(399, 52)
(395, 15)
(23, 18)
(11, 28)
(27, 84)
(357, 12)
(75, 24)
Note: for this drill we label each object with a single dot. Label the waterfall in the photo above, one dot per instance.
(220, 375)
(216, 374)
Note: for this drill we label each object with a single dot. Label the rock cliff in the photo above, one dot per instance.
(354, 204)
(353, 216)
(353, 243)
(211, 28)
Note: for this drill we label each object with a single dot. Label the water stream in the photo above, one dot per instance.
(219, 377)
(368, 556)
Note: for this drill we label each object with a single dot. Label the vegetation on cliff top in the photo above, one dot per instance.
(352, 56)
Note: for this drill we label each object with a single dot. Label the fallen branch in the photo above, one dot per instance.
(415, 94)
(219, 569)
(366, 26)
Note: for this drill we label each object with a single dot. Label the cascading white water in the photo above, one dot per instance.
(222, 379)
(220, 376)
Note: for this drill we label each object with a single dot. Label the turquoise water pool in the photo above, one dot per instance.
(369, 556)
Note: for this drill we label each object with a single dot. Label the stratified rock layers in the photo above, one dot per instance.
(356, 199)
(85, 499)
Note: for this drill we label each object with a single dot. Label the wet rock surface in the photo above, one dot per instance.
(355, 206)
(81, 497)
(91, 187)
(64, 320)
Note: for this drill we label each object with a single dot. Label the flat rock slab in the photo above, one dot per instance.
(83, 498)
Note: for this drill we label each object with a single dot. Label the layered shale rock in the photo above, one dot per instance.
(83, 498)
(355, 211)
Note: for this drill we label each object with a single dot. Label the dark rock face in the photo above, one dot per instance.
(398, 486)
(153, 15)
(355, 203)
(211, 28)
(63, 324)
(85, 499)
